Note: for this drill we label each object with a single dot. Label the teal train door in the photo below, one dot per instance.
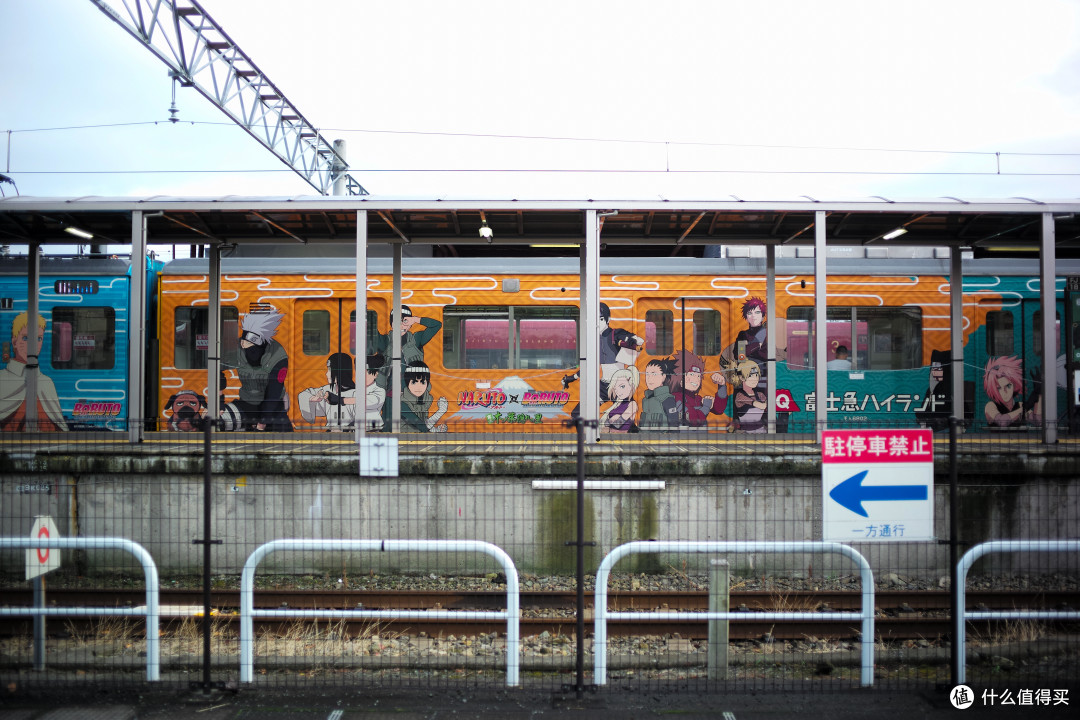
(1010, 385)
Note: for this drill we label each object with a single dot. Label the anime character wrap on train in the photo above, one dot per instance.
(262, 365)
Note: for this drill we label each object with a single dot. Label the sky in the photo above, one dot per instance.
(626, 100)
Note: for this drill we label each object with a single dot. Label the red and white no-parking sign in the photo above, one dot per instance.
(42, 560)
(877, 484)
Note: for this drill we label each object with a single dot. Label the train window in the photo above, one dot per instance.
(316, 332)
(999, 333)
(883, 338)
(1037, 332)
(191, 337)
(497, 337)
(372, 329)
(83, 338)
(659, 332)
(707, 333)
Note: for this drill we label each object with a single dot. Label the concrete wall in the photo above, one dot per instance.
(163, 513)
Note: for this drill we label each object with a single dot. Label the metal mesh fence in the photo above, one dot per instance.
(518, 492)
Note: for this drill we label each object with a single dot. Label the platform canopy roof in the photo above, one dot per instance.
(667, 225)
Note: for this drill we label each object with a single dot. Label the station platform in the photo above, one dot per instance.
(507, 704)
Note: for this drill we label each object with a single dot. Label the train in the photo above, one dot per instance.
(491, 345)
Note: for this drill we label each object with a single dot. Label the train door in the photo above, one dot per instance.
(689, 332)
(1033, 350)
(1010, 385)
(327, 327)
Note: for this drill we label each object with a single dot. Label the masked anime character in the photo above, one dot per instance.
(1003, 381)
(937, 402)
(262, 366)
(692, 409)
(658, 407)
(24, 343)
(186, 411)
(619, 418)
(416, 401)
(336, 400)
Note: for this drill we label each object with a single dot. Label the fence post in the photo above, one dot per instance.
(579, 682)
(719, 601)
(39, 623)
(206, 542)
(955, 661)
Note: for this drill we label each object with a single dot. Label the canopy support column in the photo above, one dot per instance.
(394, 387)
(136, 390)
(1049, 349)
(361, 323)
(33, 348)
(770, 323)
(213, 340)
(956, 331)
(821, 328)
(589, 368)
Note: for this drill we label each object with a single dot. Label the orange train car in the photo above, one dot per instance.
(498, 340)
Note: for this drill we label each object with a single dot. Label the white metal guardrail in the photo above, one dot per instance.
(512, 613)
(964, 566)
(601, 613)
(151, 612)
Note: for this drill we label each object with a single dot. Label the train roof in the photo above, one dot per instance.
(670, 224)
(636, 266)
(77, 265)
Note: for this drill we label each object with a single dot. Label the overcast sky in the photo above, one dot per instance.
(760, 100)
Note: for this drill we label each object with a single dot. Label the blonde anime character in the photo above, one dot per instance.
(619, 418)
(750, 401)
(50, 417)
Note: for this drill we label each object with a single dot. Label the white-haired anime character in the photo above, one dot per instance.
(262, 366)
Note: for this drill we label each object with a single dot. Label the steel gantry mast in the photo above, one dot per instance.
(200, 54)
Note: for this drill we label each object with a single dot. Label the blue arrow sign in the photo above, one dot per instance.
(852, 493)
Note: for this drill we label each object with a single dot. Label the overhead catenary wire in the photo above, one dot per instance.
(569, 171)
(571, 138)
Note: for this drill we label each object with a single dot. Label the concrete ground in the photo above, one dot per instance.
(421, 704)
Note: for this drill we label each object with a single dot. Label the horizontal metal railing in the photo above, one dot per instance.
(865, 615)
(511, 614)
(962, 615)
(151, 611)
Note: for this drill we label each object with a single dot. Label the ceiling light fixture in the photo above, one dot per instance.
(894, 234)
(79, 233)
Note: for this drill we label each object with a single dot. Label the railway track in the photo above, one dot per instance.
(900, 614)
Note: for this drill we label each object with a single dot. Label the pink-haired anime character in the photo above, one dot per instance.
(1003, 380)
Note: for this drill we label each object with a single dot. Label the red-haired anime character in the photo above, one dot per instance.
(752, 343)
(1003, 380)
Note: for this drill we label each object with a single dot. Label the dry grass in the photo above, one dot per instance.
(332, 637)
(184, 636)
(1012, 631)
(785, 602)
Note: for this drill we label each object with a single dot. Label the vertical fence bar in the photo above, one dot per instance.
(39, 623)
(954, 548)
